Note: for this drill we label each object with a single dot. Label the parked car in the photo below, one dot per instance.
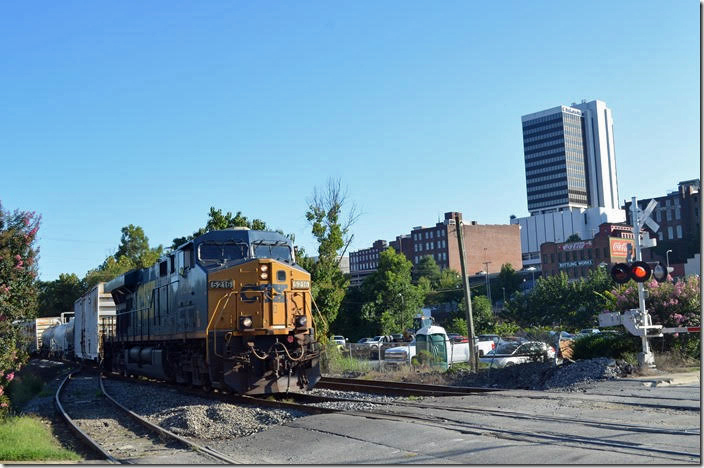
(457, 338)
(363, 340)
(339, 339)
(495, 338)
(397, 337)
(511, 353)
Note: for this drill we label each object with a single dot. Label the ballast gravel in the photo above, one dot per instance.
(196, 417)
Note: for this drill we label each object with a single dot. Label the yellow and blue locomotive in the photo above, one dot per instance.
(229, 309)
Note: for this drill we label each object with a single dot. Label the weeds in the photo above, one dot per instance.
(28, 439)
(24, 388)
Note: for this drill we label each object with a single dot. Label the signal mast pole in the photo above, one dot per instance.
(646, 357)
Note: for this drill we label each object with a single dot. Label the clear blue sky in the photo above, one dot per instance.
(149, 113)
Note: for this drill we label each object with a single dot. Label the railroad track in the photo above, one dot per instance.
(398, 388)
(601, 439)
(487, 422)
(122, 436)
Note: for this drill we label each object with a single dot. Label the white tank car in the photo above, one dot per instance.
(61, 344)
(94, 315)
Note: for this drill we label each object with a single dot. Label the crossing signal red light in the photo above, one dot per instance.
(621, 273)
(640, 272)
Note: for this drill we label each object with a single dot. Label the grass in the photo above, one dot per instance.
(24, 388)
(25, 438)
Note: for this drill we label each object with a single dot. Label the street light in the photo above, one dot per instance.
(532, 271)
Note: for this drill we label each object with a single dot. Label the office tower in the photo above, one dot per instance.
(569, 158)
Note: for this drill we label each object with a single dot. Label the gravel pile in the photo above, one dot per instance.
(578, 374)
(192, 416)
(546, 376)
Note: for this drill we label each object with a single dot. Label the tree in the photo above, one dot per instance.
(18, 293)
(509, 280)
(218, 221)
(557, 301)
(59, 295)
(331, 230)
(133, 252)
(391, 299)
(574, 238)
(427, 267)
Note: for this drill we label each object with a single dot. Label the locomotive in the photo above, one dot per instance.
(229, 309)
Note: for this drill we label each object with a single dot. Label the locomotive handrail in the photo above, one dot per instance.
(210, 322)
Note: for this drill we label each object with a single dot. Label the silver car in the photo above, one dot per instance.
(510, 353)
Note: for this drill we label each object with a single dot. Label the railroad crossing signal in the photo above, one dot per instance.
(636, 271)
(660, 273)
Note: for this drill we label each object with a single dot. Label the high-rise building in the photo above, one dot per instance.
(569, 158)
(571, 178)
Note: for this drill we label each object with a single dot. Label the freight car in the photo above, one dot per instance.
(33, 330)
(57, 341)
(229, 309)
(94, 315)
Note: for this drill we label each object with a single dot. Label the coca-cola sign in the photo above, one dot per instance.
(576, 246)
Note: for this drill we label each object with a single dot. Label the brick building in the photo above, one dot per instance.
(614, 243)
(679, 218)
(495, 244)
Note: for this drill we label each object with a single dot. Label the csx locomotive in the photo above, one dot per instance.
(229, 309)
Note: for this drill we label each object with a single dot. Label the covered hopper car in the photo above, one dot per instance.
(229, 309)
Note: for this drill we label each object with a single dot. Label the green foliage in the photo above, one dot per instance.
(18, 292)
(336, 362)
(325, 214)
(133, 252)
(28, 439)
(574, 238)
(611, 345)
(555, 301)
(23, 388)
(59, 295)
(458, 325)
(390, 298)
(670, 304)
(218, 221)
(509, 280)
(428, 268)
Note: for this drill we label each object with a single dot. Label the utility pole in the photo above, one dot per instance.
(467, 297)
(488, 283)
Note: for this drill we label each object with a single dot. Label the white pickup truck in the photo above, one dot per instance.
(435, 340)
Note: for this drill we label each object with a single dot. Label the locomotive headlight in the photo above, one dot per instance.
(245, 322)
(263, 267)
(263, 275)
(300, 321)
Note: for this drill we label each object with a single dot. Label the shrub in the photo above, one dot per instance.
(610, 345)
(335, 362)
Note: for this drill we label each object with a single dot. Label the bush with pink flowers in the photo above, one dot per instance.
(18, 294)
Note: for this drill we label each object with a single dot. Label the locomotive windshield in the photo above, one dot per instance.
(214, 253)
(279, 250)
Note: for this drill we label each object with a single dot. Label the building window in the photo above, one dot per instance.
(589, 253)
(559, 256)
(658, 215)
(552, 258)
(669, 215)
(669, 232)
(545, 258)
(677, 212)
(596, 253)
(659, 235)
(679, 231)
